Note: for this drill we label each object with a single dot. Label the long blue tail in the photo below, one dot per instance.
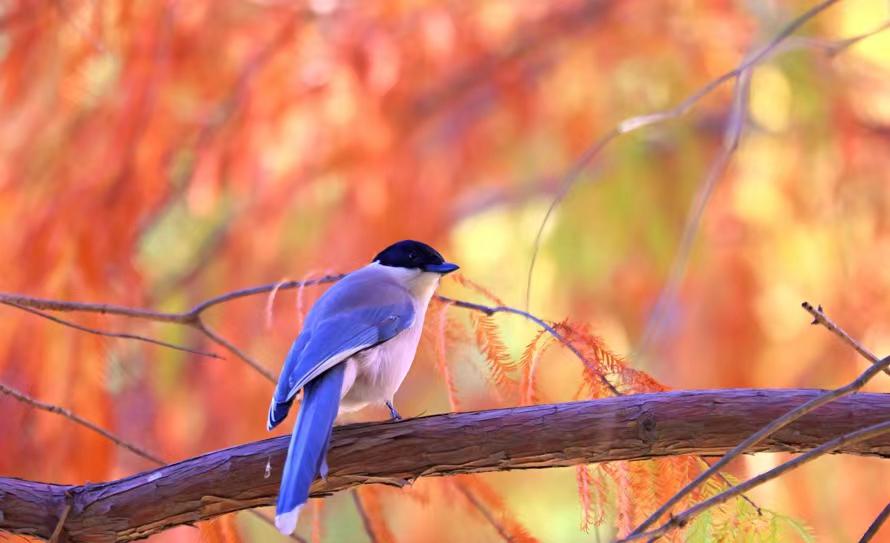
(308, 445)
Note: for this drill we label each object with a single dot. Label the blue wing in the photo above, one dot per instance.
(352, 316)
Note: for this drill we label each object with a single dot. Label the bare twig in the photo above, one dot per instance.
(98, 332)
(192, 317)
(215, 337)
(242, 293)
(832, 47)
(732, 134)
(819, 317)
(777, 424)
(77, 419)
(678, 521)
(366, 520)
(876, 525)
(62, 518)
(19, 300)
(635, 123)
(189, 317)
(483, 510)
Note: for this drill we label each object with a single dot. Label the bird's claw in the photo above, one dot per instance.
(394, 415)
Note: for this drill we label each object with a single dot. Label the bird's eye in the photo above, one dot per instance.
(412, 256)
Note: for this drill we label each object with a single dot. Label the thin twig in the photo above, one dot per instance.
(189, 317)
(834, 48)
(505, 535)
(210, 333)
(271, 523)
(98, 332)
(69, 501)
(777, 424)
(635, 123)
(77, 419)
(104, 309)
(235, 294)
(678, 521)
(735, 124)
(568, 181)
(366, 520)
(819, 317)
(876, 525)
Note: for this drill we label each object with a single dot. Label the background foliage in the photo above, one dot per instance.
(159, 153)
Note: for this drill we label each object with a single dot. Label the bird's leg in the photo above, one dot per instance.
(394, 415)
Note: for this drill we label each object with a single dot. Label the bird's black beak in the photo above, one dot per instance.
(445, 267)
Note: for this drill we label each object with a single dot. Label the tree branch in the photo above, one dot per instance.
(623, 428)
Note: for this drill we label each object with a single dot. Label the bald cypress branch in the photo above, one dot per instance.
(635, 427)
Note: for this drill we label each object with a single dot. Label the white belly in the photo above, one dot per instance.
(374, 375)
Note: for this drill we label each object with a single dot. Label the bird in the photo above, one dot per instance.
(355, 349)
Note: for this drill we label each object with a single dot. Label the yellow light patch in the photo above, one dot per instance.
(808, 255)
(757, 195)
(861, 16)
(779, 313)
(482, 240)
(770, 102)
(495, 247)
(877, 338)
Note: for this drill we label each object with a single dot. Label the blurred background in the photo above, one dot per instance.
(156, 154)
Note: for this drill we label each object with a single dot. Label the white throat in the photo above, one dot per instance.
(419, 283)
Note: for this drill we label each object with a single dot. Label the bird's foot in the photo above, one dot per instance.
(394, 415)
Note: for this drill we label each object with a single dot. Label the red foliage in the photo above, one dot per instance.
(155, 154)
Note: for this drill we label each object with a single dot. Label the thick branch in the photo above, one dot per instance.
(624, 428)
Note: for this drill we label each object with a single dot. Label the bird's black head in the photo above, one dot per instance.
(414, 255)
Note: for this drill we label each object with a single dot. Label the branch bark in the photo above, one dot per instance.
(633, 427)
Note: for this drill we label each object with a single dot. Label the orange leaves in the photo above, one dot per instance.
(490, 344)
(604, 371)
(441, 358)
(594, 495)
(528, 364)
(585, 481)
(487, 337)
